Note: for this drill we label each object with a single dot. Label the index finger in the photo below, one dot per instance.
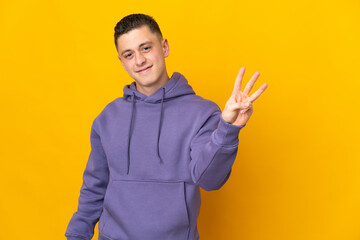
(237, 86)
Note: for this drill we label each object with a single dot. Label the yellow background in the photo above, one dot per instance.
(297, 174)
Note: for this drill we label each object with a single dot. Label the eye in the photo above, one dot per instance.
(127, 55)
(147, 48)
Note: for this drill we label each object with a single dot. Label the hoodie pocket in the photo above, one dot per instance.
(151, 210)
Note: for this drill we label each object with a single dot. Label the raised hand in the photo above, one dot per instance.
(238, 108)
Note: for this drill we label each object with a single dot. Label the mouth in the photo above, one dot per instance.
(144, 70)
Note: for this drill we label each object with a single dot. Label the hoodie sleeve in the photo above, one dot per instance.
(95, 181)
(213, 152)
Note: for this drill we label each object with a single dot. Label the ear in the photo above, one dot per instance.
(165, 46)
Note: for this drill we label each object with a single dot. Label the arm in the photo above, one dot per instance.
(213, 152)
(95, 180)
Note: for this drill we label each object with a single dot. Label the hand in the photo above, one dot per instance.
(238, 108)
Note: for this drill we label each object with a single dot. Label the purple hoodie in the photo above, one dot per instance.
(149, 157)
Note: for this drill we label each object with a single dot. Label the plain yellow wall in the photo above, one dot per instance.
(297, 174)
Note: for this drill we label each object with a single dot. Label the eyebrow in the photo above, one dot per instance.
(142, 44)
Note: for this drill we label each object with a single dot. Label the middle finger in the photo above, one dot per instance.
(251, 83)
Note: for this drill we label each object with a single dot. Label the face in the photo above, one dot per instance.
(142, 54)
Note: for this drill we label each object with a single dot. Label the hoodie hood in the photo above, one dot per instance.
(177, 86)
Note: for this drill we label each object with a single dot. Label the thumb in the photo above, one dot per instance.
(236, 106)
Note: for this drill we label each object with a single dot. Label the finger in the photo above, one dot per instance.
(237, 86)
(251, 83)
(245, 110)
(258, 92)
(238, 97)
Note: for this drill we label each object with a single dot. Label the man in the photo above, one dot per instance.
(153, 148)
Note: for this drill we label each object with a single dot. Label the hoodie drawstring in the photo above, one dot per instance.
(131, 125)
(130, 128)
(160, 123)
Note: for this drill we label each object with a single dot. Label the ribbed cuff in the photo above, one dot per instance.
(226, 133)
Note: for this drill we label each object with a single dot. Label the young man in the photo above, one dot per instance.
(153, 148)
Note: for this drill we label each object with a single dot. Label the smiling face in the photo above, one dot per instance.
(142, 54)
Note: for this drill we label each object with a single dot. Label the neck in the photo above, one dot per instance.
(150, 89)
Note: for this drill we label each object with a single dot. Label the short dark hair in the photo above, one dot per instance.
(133, 21)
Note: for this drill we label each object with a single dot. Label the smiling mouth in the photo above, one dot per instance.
(144, 70)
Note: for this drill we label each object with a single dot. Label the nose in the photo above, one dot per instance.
(139, 59)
